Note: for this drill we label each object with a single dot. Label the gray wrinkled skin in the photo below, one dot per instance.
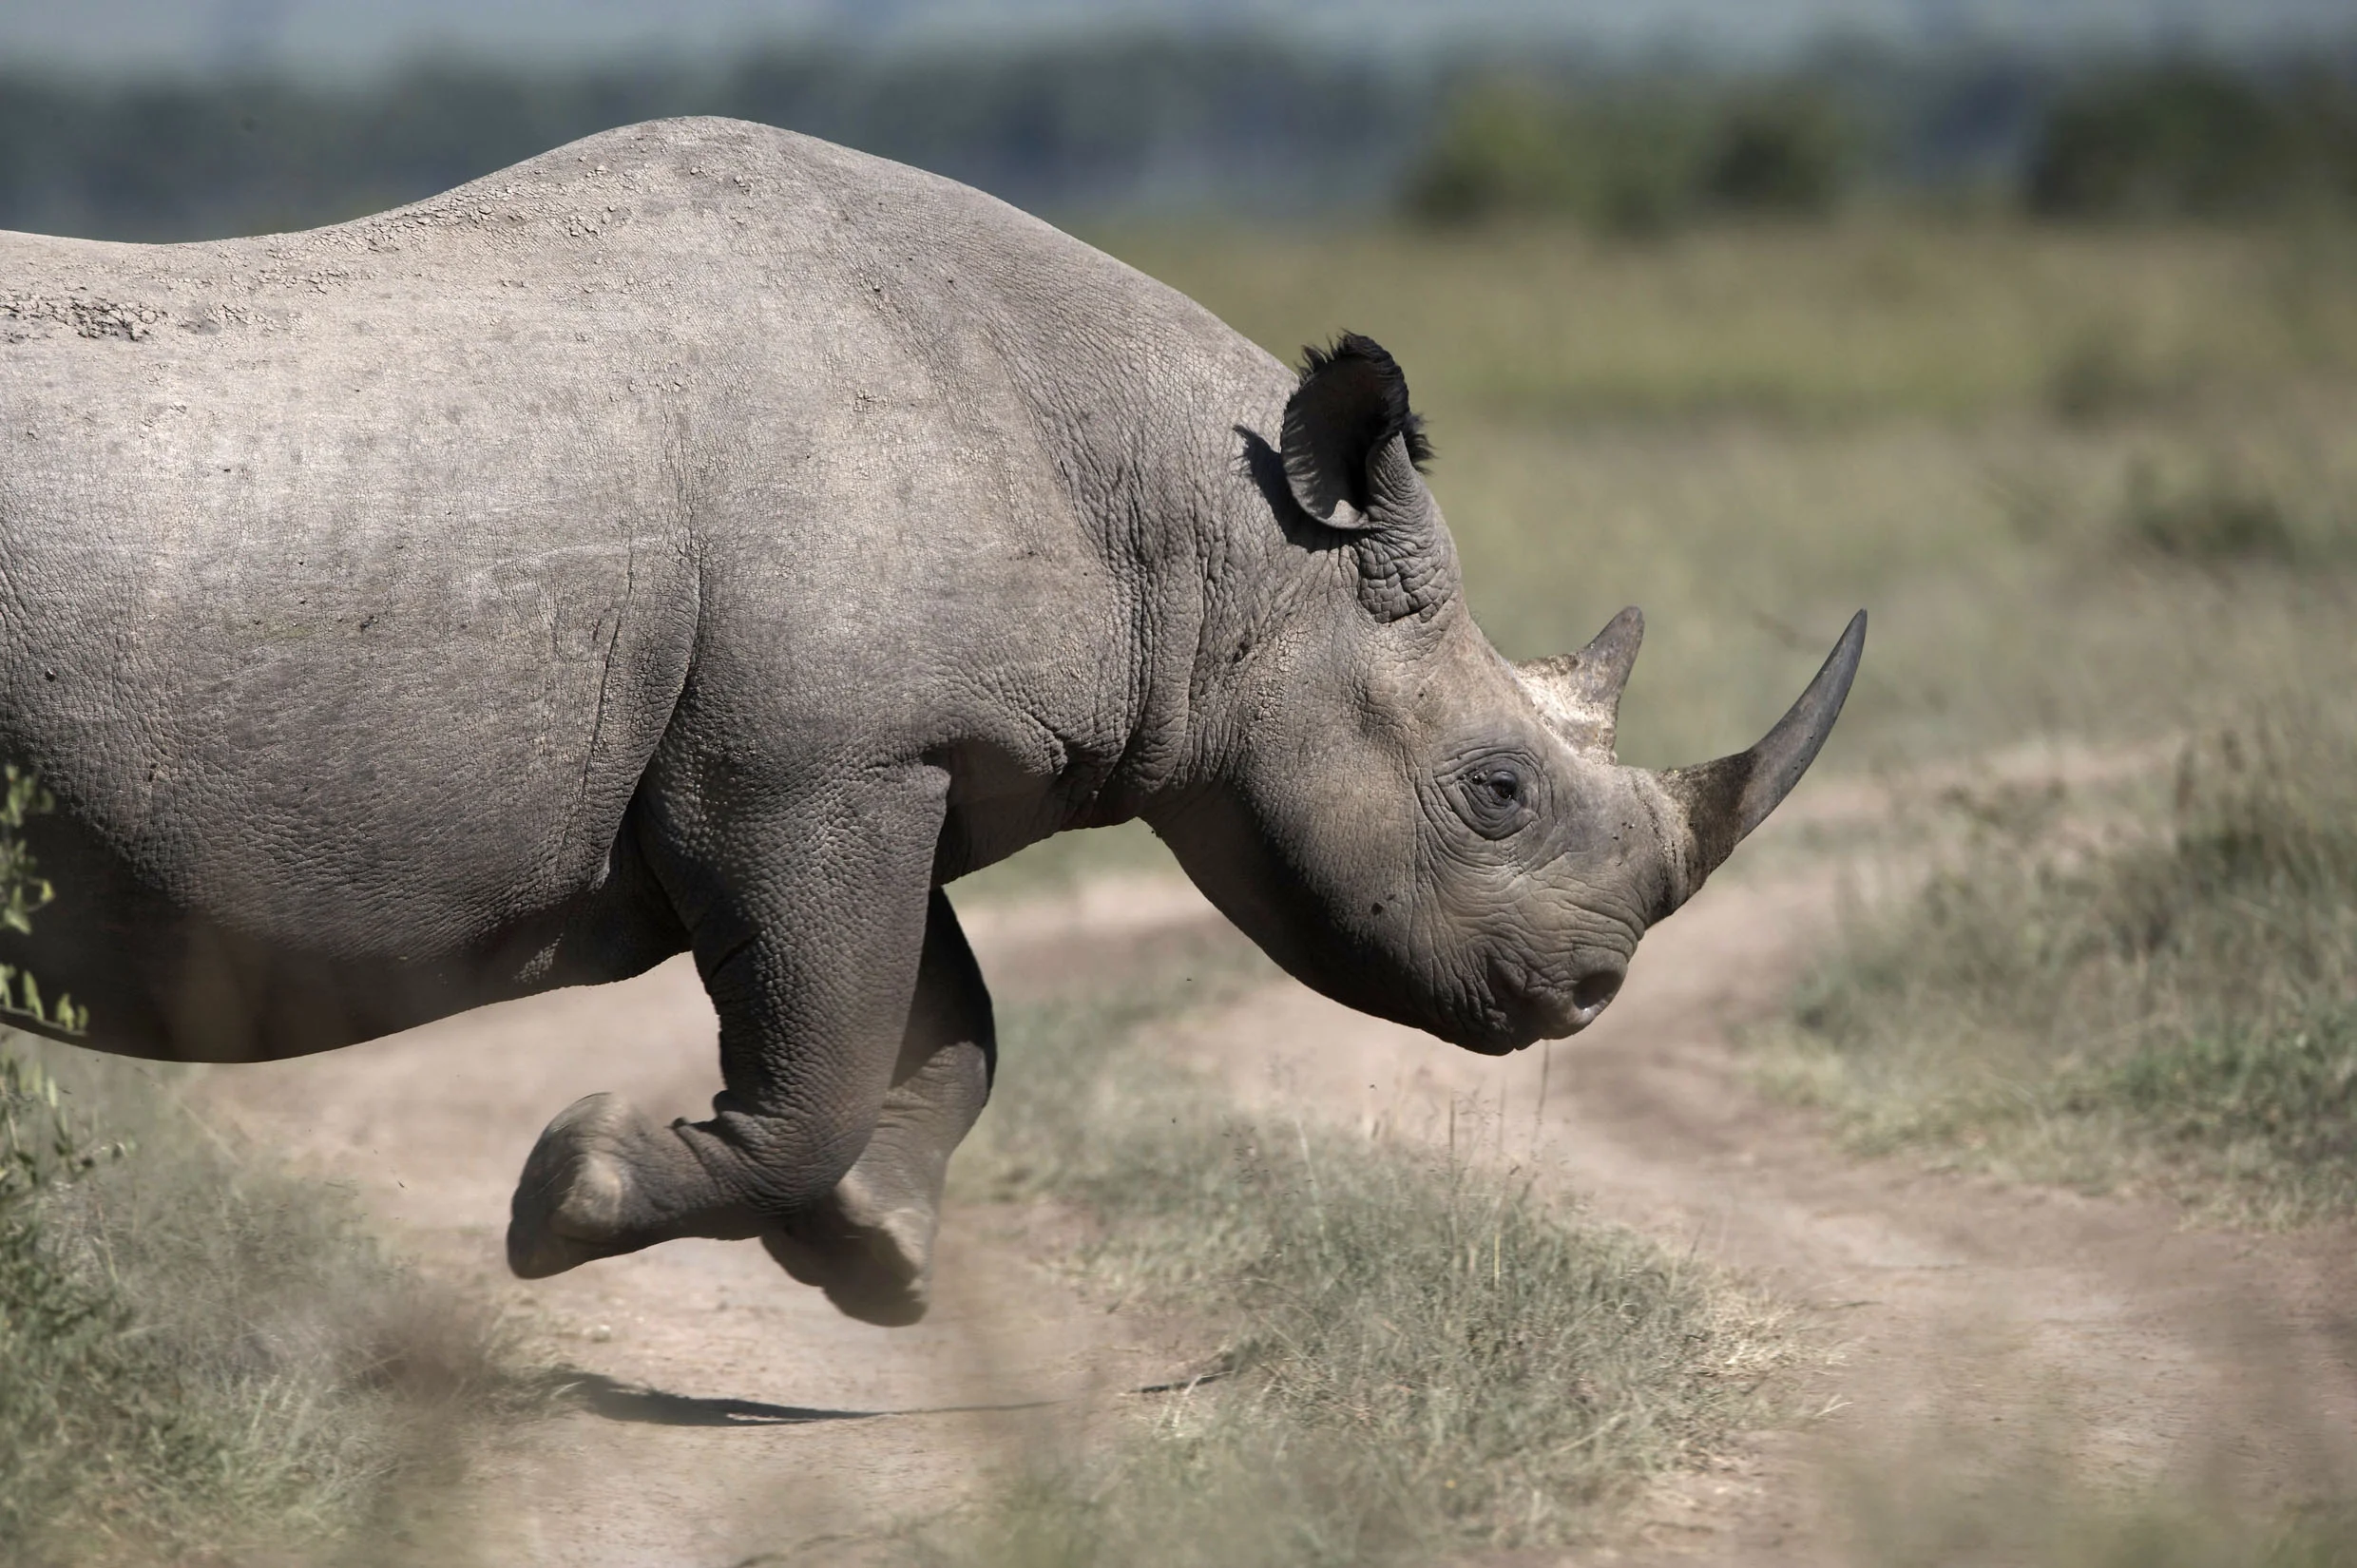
(706, 538)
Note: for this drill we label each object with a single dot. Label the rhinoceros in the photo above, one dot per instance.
(704, 538)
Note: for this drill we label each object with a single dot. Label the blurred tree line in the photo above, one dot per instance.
(1635, 158)
(1110, 123)
(2189, 140)
(2165, 139)
(1239, 124)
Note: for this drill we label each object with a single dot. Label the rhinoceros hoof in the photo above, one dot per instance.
(875, 1267)
(579, 1196)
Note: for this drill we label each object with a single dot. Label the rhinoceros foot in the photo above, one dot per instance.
(585, 1191)
(605, 1179)
(871, 1256)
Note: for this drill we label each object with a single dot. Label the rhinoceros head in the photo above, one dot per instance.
(1401, 817)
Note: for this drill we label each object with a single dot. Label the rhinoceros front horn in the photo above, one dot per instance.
(1723, 800)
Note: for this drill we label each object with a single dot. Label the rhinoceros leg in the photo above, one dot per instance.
(870, 1243)
(606, 1179)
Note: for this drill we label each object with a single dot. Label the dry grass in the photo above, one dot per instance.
(1954, 1498)
(207, 1357)
(1423, 1354)
(1985, 433)
(2168, 1002)
(1869, 320)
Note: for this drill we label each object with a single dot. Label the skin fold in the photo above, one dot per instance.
(704, 538)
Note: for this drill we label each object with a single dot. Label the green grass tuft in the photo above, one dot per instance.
(2227, 514)
(2274, 1104)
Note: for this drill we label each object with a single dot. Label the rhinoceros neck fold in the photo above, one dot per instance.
(1152, 419)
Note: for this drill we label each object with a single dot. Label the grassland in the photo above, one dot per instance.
(2155, 993)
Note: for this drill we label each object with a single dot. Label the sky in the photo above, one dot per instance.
(344, 38)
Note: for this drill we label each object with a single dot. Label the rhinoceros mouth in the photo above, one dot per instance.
(1520, 1007)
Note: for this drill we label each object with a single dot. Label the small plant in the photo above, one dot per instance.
(24, 892)
(2096, 377)
(42, 1301)
(2225, 515)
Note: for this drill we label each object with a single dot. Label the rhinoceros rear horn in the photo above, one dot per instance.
(1723, 800)
(1579, 693)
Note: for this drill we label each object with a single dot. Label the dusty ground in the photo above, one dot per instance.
(724, 1412)
(730, 1413)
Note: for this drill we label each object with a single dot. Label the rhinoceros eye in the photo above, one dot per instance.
(1494, 796)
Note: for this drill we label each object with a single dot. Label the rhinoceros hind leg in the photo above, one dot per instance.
(875, 1264)
(870, 1243)
(605, 1179)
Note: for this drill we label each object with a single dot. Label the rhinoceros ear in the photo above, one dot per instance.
(1354, 452)
(1351, 405)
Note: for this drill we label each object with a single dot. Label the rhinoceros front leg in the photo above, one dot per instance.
(810, 937)
(870, 1243)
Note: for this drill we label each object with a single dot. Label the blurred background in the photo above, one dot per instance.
(179, 119)
(2033, 327)
(2030, 325)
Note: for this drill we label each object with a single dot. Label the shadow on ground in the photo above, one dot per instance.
(620, 1400)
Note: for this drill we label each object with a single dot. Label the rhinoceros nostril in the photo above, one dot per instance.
(1592, 990)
